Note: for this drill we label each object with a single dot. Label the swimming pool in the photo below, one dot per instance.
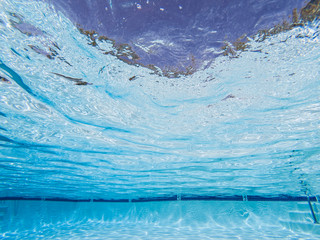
(159, 119)
(160, 220)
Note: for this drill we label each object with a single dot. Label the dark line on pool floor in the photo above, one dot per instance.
(280, 198)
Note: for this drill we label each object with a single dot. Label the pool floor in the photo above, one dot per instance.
(157, 220)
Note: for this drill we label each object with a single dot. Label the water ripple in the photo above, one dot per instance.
(79, 123)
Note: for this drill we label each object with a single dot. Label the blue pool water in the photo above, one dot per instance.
(159, 220)
(167, 100)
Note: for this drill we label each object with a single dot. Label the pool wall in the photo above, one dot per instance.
(24, 215)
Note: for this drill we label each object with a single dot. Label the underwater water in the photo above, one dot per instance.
(159, 220)
(97, 116)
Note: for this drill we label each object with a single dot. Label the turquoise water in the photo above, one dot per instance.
(79, 124)
(159, 220)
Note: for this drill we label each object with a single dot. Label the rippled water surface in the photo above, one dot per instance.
(80, 118)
